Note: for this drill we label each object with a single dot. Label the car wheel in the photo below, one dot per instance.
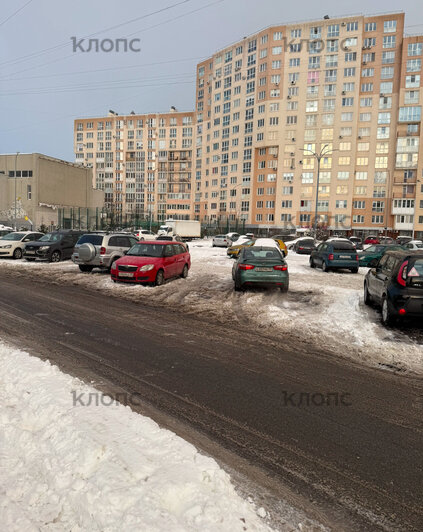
(237, 287)
(354, 270)
(17, 254)
(284, 288)
(55, 256)
(213, 246)
(312, 265)
(85, 268)
(387, 316)
(184, 273)
(325, 267)
(159, 278)
(367, 296)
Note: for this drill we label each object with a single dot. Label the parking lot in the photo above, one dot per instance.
(324, 310)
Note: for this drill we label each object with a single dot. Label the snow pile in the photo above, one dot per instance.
(67, 466)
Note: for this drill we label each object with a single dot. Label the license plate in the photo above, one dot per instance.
(264, 269)
(344, 257)
(29, 252)
(126, 274)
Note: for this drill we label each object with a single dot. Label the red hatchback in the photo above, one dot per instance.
(371, 239)
(152, 262)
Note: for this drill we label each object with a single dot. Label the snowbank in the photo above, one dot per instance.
(67, 466)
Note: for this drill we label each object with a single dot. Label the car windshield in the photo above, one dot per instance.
(306, 242)
(343, 246)
(51, 237)
(262, 253)
(96, 240)
(146, 250)
(14, 236)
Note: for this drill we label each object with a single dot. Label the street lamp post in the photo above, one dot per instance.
(325, 151)
(16, 193)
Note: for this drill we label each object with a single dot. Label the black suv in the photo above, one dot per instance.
(53, 247)
(396, 285)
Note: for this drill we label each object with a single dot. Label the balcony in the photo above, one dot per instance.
(404, 226)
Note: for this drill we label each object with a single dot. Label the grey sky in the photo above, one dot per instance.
(40, 95)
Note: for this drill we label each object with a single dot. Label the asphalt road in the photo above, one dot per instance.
(236, 394)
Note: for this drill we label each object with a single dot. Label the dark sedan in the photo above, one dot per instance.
(304, 246)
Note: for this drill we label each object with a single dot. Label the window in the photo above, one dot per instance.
(410, 114)
(361, 176)
(388, 72)
(414, 65)
(29, 192)
(352, 26)
(412, 82)
(390, 26)
(415, 48)
(276, 50)
(349, 72)
(370, 26)
(358, 218)
(350, 56)
(333, 30)
(367, 87)
(389, 41)
(367, 72)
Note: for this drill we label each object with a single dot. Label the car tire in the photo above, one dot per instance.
(86, 268)
(312, 264)
(184, 273)
(325, 267)
(354, 270)
(237, 286)
(17, 254)
(55, 256)
(159, 278)
(367, 297)
(213, 246)
(387, 316)
(284, 288)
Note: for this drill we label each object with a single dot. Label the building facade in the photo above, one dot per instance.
(142, 162)
(35, 188)
(265, 107)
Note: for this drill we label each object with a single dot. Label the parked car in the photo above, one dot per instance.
(372, 239)
(260, 266)
(387, 240)
(335, 255)
(100, 250)
(396, 285)
(53, 247)
(233, 251)
(145, 234)
(233, 237)
(414, 244)
(166, 238)
(221, 241)
(304, 246)
(371, 255)
(401, 240)
(152, 263)
(13, 244)
(271, 242)
(249, 235)
(358, 243)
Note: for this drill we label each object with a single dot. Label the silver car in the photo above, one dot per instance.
(221, 241)
(101, 250)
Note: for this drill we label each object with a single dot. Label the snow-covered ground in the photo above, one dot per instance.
(324, 309)
(101, 467)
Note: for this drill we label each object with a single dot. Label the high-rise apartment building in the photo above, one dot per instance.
(348, 86)
(142, 162)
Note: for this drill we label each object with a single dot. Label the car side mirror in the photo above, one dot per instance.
(125, 252)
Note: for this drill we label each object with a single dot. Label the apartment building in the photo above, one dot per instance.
(265, 107)
(350, 86)
(142, 162)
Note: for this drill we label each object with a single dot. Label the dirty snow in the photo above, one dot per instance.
(321, 309)
(102, 467)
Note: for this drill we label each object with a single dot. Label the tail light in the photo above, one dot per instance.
(102, 250)
(356, 257)
(281, 268)
(330, 256)
(402, 274)
(300, 247)
(246, 267)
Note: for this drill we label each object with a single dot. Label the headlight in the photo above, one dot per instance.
(146, 267)
(44, 248)
(6, 247)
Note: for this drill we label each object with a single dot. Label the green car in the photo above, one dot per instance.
(371, 256)
(260, 266)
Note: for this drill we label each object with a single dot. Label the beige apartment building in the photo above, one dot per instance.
(36, 190)
(142, 162)
(349, 85)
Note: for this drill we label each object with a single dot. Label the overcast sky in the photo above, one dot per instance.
(44, 85)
